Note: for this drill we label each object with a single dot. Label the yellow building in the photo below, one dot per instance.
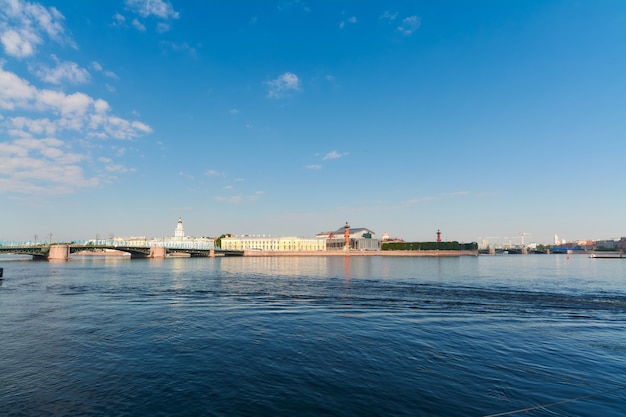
(283, 244)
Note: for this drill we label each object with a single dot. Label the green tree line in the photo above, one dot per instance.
(429, 246)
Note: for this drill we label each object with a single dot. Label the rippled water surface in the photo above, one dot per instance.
(321, 336)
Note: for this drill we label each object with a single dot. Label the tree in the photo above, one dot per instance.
(218, 241)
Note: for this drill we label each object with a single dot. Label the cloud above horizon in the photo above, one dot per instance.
(52, 140)
(63, 72)
(51, 133)
(158, 8)
(283, 85)
(333, 155)
(409, 25)
(24, 26)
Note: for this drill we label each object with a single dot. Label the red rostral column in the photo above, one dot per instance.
(438, 236)
(346, 236)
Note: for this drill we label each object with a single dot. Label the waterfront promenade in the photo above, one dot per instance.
(413, 253)
(63, 252)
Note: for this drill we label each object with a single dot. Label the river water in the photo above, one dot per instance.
(314, 336)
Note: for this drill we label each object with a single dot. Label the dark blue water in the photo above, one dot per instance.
(371, 336)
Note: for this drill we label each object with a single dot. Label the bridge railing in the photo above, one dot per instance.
(119, 243)
(15, 243)
(148, 243)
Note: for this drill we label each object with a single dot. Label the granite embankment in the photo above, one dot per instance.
(423, 253)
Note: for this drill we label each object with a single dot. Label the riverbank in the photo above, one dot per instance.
(413, 253)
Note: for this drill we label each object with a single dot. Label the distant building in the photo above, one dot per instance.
(609, 244)
(179, 233)
(179, 240)
(386, 238)
(280, 244)
(359, 238)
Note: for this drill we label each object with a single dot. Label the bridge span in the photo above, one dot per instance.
(62, 252)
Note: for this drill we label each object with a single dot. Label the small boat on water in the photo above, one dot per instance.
(608, 255)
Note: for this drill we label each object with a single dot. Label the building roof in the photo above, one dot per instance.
(352, 230)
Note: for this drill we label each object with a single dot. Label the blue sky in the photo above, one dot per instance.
(479, 118)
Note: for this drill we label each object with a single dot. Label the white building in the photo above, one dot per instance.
(359, 238)
(282, 244)
(179, 233)
(179, 240)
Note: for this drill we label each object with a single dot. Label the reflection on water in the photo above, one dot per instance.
(312, 336)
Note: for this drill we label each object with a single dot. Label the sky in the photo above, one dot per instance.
(483, 119)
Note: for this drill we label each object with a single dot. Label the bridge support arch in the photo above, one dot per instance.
(59, 253)
(157, 252)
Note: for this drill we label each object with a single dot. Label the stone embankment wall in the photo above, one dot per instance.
(423, 253)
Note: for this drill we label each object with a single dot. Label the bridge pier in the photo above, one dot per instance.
(59, 253)
(157, 252)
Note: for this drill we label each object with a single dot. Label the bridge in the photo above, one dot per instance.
(63, 251)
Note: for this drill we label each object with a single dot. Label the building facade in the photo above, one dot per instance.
(281, 244)
(179, 240)
(346, 238)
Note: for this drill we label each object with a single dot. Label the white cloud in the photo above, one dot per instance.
(389, 15)
(352, 20)
(96, 66)
(45, 125)
(76, 104)
(186, 176)
(313, 166)
(256, 195)
(409, 25)
(233, 112)
(230, 199)
(163, 27)
(117, 168)
(282, 85)
(32, 126)
(138, 25)
(23, 26)
(41, 166)
(179, 47)
(236, 199)
(158, 8)
(214, 173)
(19, 44)
(118, 20)
(333, 155)
(64, 71)
(14, 91)
(421, 200)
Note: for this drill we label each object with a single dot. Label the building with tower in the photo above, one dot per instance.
(179, 240)
(345, 238)
(179, 233)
